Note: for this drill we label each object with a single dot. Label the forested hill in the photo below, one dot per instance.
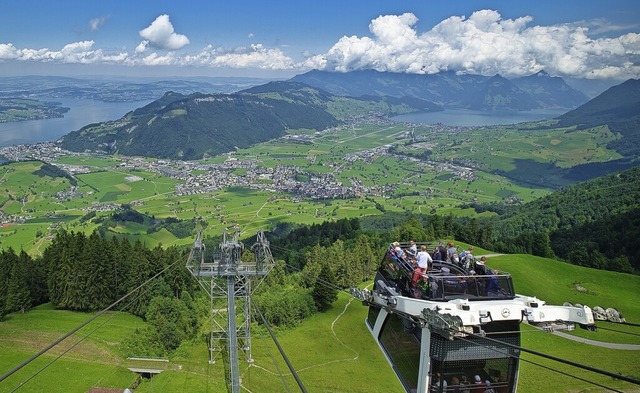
(595, 223)
(191, 127)
(199, 125)
(297, 91)
(619, 108)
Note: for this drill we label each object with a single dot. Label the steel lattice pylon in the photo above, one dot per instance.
(228, 281)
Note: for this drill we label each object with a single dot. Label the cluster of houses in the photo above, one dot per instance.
(197, 177)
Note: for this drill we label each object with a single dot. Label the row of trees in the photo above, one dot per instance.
(90, 273)
(22, 282)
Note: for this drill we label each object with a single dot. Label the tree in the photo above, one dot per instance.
(137, 274)
(172, 319)
(314, 259)
(18, 294)
(38, 281)
(364, 258)
(72, 277)
(247, 256)
(412, 229)
(95, 266)
(5, 270)
(325, 292)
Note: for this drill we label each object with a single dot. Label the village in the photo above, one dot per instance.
(198, 177)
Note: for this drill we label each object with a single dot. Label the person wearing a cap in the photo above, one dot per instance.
(488, 388)
(478, 386)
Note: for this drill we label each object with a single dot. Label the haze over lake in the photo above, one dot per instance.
(82, 113)
(471, 118)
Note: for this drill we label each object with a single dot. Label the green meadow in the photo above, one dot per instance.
(331, 352)
(464, 167)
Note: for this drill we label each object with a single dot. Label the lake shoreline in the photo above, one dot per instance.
(82, 113)
(458, 117)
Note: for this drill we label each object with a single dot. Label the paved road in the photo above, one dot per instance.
(627, 347)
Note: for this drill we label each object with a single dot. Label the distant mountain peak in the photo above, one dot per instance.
(450, 88)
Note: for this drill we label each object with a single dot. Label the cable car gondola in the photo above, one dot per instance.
(449, 327)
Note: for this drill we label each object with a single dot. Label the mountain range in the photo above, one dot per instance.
(199, 125)
(449, 89)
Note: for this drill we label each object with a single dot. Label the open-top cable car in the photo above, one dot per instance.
(432, 325)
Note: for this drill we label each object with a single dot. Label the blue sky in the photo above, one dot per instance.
(588, 38)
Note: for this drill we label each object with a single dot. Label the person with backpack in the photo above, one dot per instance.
(467, 259)
(451, 251)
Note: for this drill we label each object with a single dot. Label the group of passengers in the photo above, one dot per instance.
(420, 264)
(465, 385)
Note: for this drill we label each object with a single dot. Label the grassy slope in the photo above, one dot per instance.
(556, 283)
(94, 362)
(332, 352)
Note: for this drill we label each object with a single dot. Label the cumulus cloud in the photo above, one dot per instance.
(482, 43)
(160, 34)
(76, 52)
(254, 56)
(485, 44)
(142, 46)
(96, 23)
(8, 52)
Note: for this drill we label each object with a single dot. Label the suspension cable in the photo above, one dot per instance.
(540, 365)
(617, 331)
(560, 360)
(275, 364)
(74, 345)
(59, 340)
(284, 355)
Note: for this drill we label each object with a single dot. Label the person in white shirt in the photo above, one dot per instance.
(424, 259)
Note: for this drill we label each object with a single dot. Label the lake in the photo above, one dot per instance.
(470, 118)
(82, 113)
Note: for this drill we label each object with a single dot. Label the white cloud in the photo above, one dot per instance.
(160, 34)
(155, 59)
(484, 43)
(97, 23)
(142, 46)
(255, 56)
(8, 52)
(76, 52)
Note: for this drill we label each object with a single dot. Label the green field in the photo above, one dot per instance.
(462, 169)
(332, 351)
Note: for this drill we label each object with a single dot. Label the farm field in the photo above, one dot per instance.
(464, 166)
